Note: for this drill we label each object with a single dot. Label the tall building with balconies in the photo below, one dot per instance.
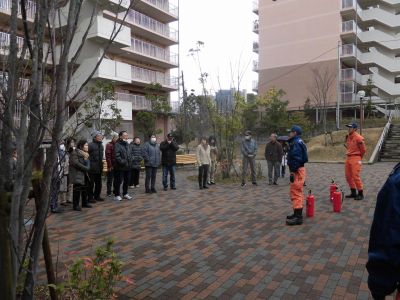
(143, 52)
(370, 48)
(255, 43)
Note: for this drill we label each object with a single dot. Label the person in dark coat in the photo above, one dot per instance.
(122, 168)
(96, 154)
(152, 159)
(168, 150)
(78, 174)
(384, 242)
(110, 159)
(136, 149)
(273, 154)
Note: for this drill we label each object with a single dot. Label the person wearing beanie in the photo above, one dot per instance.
(96, 154)
(297, 157)
(110, 159)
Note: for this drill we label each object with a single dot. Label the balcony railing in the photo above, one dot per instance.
(255, 85)
(149, 49)
(350, 74)
(5, 44)
(150, 76)
(255, 65)
(255, 47)
(348, 50)
(255, 26)
(5, 5)
(255, 6)
(149, 23)
(139, 102)
(165, 6)
(346, 4)
(350, 26)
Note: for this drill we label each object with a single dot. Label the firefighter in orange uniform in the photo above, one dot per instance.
(355, 151)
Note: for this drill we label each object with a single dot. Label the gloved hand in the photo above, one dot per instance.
(291, 177)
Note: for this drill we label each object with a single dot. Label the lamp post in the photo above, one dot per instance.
(361, 94)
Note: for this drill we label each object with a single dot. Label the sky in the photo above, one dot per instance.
(225, 28)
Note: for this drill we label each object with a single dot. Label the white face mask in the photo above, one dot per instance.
(153, 140)
(62, 147)
(247, 137)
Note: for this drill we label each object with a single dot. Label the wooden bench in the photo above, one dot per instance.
(186, 159)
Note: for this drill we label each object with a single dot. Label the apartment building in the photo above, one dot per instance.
(144, 51)
(355, 39)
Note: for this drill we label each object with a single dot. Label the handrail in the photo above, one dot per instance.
(378, 147)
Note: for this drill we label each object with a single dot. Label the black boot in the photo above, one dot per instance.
(298, 218)
(353, 194)
(360, 195)
(289, 217)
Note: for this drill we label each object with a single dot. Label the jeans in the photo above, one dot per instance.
(121, 177)
(135, 174)
(246, 162)
(94, 186)
(150, 180)
(273, 166)
(203, 171)
(171, 170)
(110, 179)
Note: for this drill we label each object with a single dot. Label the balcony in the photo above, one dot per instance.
(5, 7)
(104, 29)
(118, 5)
(255, 7)
(255, 86)
(350, 74)
(5, 45)
(255, 47)
(151, 28)
(255, 66)
(145, 76)
(349, 5)
(161, 10)
(113, 70)
(255, 26)
(152, 54)
(139, 102)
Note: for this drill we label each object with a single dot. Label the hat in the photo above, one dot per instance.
(169, 135)
(96, 133)
(248, 132)
(296, 128)
(114, 135)
(352, 125)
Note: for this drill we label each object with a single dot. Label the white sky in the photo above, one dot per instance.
(225, 27)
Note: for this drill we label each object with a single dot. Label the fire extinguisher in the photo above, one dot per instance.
(337, 201)
(332, 189)
(310, 205)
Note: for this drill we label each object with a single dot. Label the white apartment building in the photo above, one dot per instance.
(370, 48)
(144, 51)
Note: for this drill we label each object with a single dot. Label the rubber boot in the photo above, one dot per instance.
(360, 196)
(298, 219)
(289, 217)
(353, 194)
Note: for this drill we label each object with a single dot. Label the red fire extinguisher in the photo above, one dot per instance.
(310, 205)
(337, 201)
(332, 189)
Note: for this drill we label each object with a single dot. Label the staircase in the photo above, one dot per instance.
(391, 147)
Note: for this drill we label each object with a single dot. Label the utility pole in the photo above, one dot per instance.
(185, 116)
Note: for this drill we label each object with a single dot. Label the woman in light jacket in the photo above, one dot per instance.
(203, 161)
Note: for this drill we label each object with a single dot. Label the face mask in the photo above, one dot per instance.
(153, 140)
(247, 137)
(62, 147)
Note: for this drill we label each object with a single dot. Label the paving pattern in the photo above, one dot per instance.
(230, 242)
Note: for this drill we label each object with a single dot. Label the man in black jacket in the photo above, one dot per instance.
(122, 168)
(168, 160)
(96, 154)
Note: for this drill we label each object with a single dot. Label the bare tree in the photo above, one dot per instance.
(48, 56)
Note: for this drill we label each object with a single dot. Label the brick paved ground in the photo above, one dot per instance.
(232, 242)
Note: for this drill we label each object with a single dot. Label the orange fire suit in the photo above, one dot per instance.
(296, 188)
(355, 151)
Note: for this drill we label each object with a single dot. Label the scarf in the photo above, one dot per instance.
(82, 153)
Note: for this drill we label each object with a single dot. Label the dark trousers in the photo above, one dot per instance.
(135, 174)
(121, 177)
(54, 190)
(79, 192)
(171, 170)
(150, 180)
(273, 167)
(203, 171)
(110, 179)
(94, 186)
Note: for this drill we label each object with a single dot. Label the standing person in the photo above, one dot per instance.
(110, 158)
(152, 159)
(96, 154)
(249, 152)
(70, 149)
(273, 154)
(78, 174)
(214, 157)
(57, 176)
(284, 158)
(123, 162)
(136, 149)
(168, 150)
(203, 161)
(64, 156)
(297, 157)
(355, 151)
(384, 247)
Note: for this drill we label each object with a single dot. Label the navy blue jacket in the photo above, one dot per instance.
(297, 155)
(384, 242)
